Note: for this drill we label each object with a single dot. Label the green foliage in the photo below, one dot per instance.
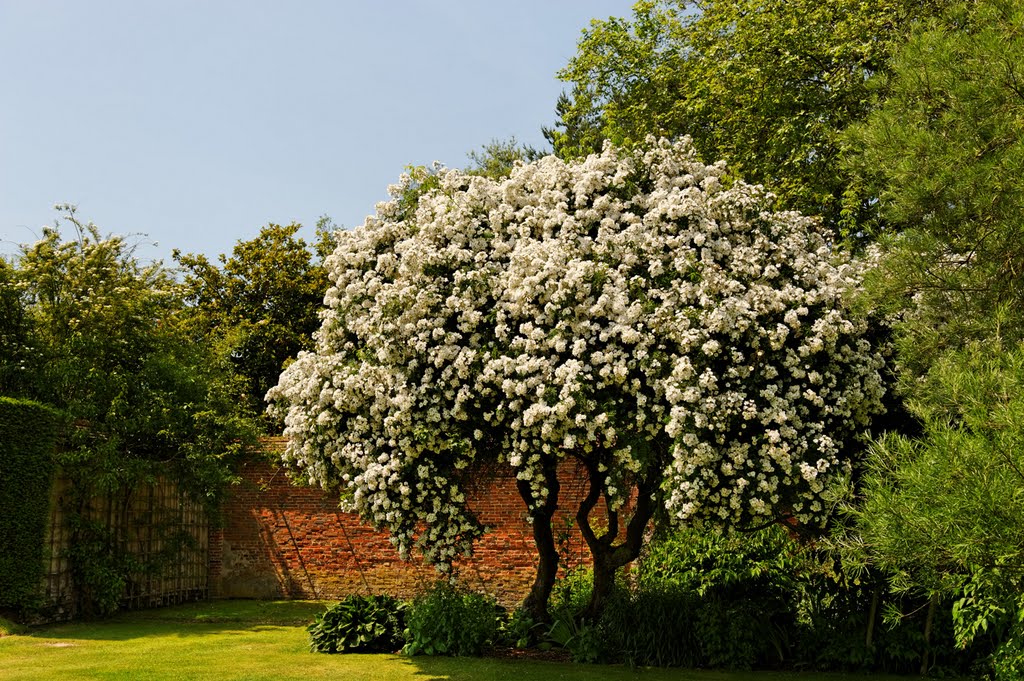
(743, 587)
(446, 620)
(579, 636)
(742, 601)
(497, 158)
(100, 568)
(259, 307)
(571, 593)
(28, 436)
(945, 153)
(519, 629)
(763, 84)
(653, 625)
(110, 349)
(9, 628)
(945, 512)
(570, 626)
(359, 624)
(15, 352)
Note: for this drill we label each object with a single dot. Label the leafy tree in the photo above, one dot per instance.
(945, 154)
(687, 347)
(14, 335)
(763, 84)
(944, 513)
(109, 349)
(259, 306)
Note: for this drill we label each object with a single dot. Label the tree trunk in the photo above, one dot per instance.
(926, 654)
(536, 602)
(869, 637)
(607, 555)
(603, 584)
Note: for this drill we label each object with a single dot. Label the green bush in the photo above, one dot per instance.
(738, 592)
(570, 629)
(100, 567)
(359, 624)
(28, 436)
(694, 601)
(763, 600)
(652, 627)
(752, 601)
(446, 620)
(579, 636)
(571, 593)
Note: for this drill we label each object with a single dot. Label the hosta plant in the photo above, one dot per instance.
(359, 624)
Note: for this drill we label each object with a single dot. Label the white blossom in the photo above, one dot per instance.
(629, 307)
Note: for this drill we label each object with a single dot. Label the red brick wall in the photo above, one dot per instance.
(278, 540)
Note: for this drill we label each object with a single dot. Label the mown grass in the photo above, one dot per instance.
(256, 640)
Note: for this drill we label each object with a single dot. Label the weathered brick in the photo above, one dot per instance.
(278, 540)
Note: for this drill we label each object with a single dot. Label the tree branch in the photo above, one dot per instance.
(595, 480)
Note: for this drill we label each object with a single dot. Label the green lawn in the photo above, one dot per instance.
(266, 640)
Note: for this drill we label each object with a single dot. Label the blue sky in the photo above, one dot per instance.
(196, 122)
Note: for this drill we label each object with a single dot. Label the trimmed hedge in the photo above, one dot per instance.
(28, 436)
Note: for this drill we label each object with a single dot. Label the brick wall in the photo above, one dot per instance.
(278, 540)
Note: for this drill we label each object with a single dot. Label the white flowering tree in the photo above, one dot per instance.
(687, 347)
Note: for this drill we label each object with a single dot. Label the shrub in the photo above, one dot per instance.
(358, 624)
(571, 593)
(9, 628)
(652, 627)
(446, 620)
(579, 636)
(741, 591)
(700, 599)
(28, 433)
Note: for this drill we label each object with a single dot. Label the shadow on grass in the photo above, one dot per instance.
(126, 631)
(193, 619)
(476, 669)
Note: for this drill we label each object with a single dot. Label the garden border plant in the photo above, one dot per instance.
(359, 624)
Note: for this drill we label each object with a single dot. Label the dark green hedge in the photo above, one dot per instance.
(28, 435)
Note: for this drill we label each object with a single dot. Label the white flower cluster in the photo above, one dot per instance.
(628, 308)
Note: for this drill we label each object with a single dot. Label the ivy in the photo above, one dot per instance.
(28, 435)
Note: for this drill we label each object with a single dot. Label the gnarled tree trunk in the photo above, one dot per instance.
(607, 555)
(536, 602)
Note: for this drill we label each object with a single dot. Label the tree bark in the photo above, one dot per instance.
(536, 602)
(925, 655)
(869, 637)
(607, 555)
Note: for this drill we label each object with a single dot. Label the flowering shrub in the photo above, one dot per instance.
(629, 310)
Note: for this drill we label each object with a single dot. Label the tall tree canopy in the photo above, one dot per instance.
(763, 84)
(101, 336)
(945, 153)
(627, 311)
(103, 340)
(15, 353)
(259, 306)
